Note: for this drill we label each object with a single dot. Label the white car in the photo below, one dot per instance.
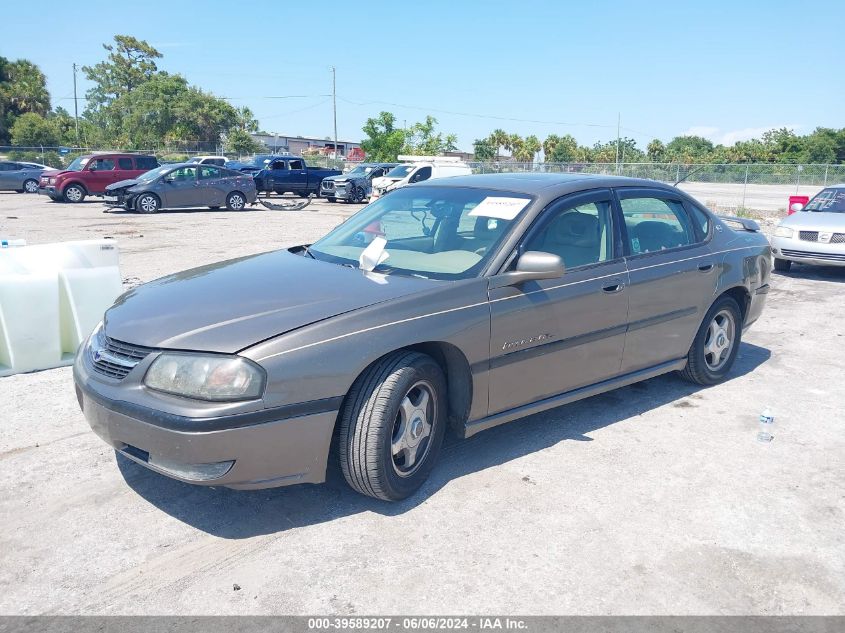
(416, 169)
(220, 161)
(815, 234)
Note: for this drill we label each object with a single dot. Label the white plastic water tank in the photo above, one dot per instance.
(51, 297)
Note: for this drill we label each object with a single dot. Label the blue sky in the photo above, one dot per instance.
(724, 69)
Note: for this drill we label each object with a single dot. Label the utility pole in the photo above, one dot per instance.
(75, 106)
(618, 134)
(334, 108)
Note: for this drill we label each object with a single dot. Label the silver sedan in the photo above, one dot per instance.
(815, 234)
(20, 177)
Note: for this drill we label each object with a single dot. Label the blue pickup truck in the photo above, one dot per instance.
(287, 174)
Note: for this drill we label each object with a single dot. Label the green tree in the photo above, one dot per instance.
(384, 140)
(483, 149)
(560, 149)
(525, 150)
(785, 145)
(23, 89)
(33, 130)
(689, 149)
(130, 63)
(499, 139)
(241, 142)
(246, 121)
(656, 151)
(422, 139)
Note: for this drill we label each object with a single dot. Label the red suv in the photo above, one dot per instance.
(90, 175)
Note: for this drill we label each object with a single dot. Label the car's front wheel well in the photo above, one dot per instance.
(458, 379)
(741, 296)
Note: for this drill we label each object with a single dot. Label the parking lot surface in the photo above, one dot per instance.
(652, 499)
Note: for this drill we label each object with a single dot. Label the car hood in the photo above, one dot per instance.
(231, 305)
(384, 181)
(815, 220)
(123, 184)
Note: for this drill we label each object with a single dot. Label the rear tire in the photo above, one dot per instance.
(392, 426)
(716, 344)
(236, 201)
(147, 203)
(73, 194)
(782, 265)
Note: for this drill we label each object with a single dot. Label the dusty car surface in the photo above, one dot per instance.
(466, 303)
(815, 234)
(183, 185)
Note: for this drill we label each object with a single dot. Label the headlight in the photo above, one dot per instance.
(783, 231)
(206, 377)
(97, 340)
(52, 181)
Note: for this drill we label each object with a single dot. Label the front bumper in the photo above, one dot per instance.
(246, 451)
(805, 252)
(48, 191)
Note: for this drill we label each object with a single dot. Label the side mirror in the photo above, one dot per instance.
(531, 266)
(795, 207)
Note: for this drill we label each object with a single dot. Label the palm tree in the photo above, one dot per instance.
(499, 138)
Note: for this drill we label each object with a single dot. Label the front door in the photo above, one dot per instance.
(672, 275)
(555, 335)
(101, 173)
(180, 188)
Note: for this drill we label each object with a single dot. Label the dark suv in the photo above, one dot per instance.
(89, 175)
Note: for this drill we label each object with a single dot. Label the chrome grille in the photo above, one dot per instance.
(117, 359)
(809, 236)
(838, 238)
(833, 257)
(328, 184)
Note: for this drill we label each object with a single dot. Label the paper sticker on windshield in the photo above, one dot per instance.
(502, 208)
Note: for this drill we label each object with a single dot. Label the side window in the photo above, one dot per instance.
(146, 162)
(376, 173)
(296, 164)
(701, 219)
(581, 235)
(183, 174)
(6, 167)
(278, 165)
(424, 173)
(656, 224)
(101, 164)
(207, 172)
(124, 163)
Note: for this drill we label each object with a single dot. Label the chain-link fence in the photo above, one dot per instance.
(739, 173)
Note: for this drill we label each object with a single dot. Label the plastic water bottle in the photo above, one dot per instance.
(767, 422)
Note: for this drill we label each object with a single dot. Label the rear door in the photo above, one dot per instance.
(125, 168)
(555, 335)
(212, 186)
(298, 175)
(672, 275)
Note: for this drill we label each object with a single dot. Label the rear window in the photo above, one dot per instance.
(830, 200)
(146, 162)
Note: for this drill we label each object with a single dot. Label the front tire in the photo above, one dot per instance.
(716, 344)
(235, 201)
(30, 186)
(73, 193)
(782, 265)
(147, 203)
(332, 199)
(392, 426)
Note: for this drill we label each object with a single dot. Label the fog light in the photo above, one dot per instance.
(194, 472)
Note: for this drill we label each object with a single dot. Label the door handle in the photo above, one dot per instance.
(617, 287)
(705, 268)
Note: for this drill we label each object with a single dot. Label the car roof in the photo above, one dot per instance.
(533, 183)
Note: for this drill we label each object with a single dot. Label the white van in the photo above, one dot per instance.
(416, 169)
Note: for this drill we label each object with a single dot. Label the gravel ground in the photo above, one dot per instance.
(652, 499)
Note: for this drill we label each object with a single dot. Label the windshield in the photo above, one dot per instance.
(400, 171)
(831, 200)
(154, 173)
(432, 232)
(359, 171)
(78, 163)
(260, 161)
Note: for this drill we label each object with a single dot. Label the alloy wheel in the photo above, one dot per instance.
(410, 440)
(719, 342)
